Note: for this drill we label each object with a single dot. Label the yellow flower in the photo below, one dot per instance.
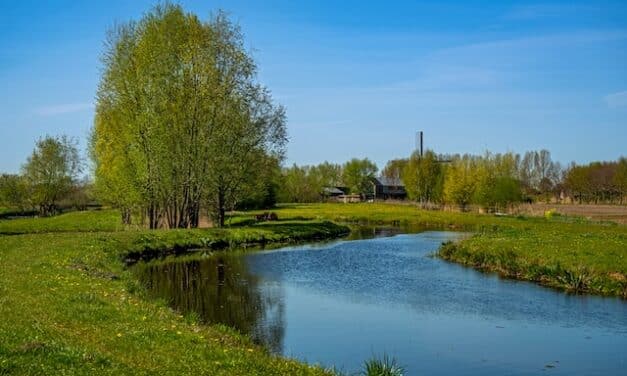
(119, 334)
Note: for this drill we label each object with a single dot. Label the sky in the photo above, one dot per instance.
(358, 78)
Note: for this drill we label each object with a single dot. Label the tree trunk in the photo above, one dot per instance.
(126, 216)
(220, 208)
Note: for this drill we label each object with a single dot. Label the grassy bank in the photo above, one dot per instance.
(80, 221)
(70, 306)
(567, 253)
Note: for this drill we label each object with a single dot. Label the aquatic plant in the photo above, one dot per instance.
(385, 366)
(576, 280)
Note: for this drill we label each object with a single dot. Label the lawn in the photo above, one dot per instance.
(69, 305)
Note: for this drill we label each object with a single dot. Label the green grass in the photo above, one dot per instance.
(567, 253)
(79, 221)
(382, 367)
(70, 306)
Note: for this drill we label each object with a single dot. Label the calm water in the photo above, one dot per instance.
(343, 302)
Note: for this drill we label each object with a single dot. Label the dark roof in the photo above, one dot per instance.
(388, 182)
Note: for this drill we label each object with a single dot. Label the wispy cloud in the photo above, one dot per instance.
(64, 108)
(617, 99)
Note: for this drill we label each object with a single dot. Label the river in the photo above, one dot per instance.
(340, 303)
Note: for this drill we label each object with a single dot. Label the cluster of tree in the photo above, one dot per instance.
(498, 181)
(309, 183)
(181, 122)
(598, 182)
(492, 180)
(48, 180)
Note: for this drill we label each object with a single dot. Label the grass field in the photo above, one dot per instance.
(69, 305)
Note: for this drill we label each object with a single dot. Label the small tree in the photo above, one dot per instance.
(358, 175)
(50, 172)
(14, 192)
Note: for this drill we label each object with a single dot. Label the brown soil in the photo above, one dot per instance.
(614, 213)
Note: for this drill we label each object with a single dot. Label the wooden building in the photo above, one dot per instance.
(389, 189)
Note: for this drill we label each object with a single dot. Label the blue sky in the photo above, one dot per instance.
(359, 78)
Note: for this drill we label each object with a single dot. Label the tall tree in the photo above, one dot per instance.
(423, 177)
(50, 171)
(460, 182)
(180, 120)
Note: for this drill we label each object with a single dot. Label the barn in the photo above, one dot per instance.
(389, 188)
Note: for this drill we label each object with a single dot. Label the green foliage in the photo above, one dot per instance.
(423, 177)
(460, 182)
(598, 182)
(50, 172)
(382, 367)
(180, 120)
(307, 183)
(395, 169)
(358, 175)
(70, 306)
(497, 183)
(14, 192)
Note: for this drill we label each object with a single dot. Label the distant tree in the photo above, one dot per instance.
(395, 168)
(14, 192)
(539, 174)
(358, 175)
(620, 179)
(423, 177)
(497, 183)
(262, 191)
(327, 174)
(460, 182)
(298, 185)
(50, 172)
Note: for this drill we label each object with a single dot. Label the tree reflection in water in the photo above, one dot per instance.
(221, 290)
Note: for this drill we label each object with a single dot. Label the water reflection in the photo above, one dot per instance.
(341, 302)
(220, 290)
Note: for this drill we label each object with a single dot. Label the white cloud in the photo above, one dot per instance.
(617, 99)
(65, 108)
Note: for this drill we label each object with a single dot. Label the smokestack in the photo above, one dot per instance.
(421, 143)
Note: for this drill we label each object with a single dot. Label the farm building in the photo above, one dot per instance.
(389, 188)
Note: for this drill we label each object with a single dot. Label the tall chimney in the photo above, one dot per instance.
(421, 143)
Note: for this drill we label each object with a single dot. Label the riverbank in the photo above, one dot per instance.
(69, 305)
(568, 253)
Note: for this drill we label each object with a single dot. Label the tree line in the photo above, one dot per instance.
(48, 180)
(182, 128)
(492, 181)
(310, 183)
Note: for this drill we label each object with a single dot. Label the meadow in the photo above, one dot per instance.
(70, 304)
